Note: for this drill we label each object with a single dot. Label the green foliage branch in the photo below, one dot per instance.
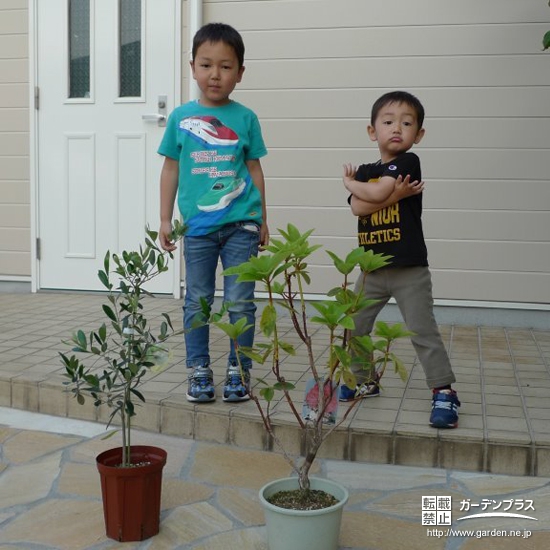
(284, 272)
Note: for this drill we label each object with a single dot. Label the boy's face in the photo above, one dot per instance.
(217, 72)
(396, 130)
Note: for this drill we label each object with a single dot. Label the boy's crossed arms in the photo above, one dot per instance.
(370, 196)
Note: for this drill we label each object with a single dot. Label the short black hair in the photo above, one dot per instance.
(219, 32)
(398, 97)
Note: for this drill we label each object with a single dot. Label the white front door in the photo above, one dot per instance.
(105, 70)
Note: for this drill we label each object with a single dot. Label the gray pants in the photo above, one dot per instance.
(412, 289)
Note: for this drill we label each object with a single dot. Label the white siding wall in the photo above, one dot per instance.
(314, 68)
(14, 141)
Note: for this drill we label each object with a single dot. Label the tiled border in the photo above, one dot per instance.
(240, 426)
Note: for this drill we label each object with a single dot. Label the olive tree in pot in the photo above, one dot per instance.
(108, 364)
(283, 270)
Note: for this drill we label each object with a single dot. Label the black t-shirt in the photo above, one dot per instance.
(397, 229)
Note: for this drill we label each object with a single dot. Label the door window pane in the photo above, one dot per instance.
(130, 48)
(79, 48)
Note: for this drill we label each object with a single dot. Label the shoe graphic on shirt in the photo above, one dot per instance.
(221, 194)
(208, 130)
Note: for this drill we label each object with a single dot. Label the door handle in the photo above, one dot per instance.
(160, 116)
(153, 117)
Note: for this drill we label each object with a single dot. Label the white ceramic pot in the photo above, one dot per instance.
(303, 529)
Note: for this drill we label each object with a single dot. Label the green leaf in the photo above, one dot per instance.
(267, 393)
(355, 255)
(109, 312)
(343, 356)
(287, 348)
(138, 394)
(349, 264)
(277, 288)
(259, 268)
(130, 409)
(106, 261)
(178, 230)
(370, 261)
(284, 386)
(268, 320)
(391, 332)
(546, 41)
(332, 313)
(205, 307)
(161, 263)
(81, 339)
(339, 264)
(234, 330)
(104, 278)
(251, 354)
(347, 323)
(168, 320)
(362, 345)
(399, 367)
(349, 379)
(109, 435)
(92, 380)
(150, 233)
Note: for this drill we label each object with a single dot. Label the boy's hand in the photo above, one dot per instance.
(165, 233)
(349, 176)
(264, 236)
(404, 187)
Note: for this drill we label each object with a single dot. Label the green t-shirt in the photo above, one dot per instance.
(212, 145)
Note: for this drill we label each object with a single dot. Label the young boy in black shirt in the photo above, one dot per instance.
(387, 198)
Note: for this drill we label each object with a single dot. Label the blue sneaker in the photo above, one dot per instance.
(236, 388)
(445, 405)
(366, 389)
(201, 385)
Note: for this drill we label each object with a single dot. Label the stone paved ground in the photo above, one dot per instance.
(50, 496)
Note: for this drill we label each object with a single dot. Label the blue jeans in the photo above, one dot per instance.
(234, 244)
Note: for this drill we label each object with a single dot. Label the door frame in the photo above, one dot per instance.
(34, 168)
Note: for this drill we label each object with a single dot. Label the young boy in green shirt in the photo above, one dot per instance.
(212, 149)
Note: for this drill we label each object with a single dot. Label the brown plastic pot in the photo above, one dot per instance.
(131, 496)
